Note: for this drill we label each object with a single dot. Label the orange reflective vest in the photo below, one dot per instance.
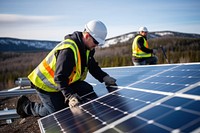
(136, 52)
(43, 75)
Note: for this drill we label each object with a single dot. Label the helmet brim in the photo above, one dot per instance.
(100, 41)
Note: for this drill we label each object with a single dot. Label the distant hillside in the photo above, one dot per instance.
(13, 44)
(157, 34)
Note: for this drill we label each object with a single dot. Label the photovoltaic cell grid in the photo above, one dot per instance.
(160, 98)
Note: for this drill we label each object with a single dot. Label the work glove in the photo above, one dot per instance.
(154, 51)
(109, 80)
(73, 100)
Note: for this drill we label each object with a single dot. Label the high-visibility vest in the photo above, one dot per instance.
(136, 52)
(43, 75)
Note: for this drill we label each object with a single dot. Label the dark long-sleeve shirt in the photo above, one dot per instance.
(66, 62)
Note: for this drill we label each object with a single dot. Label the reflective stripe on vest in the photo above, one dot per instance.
(43, 75)
(84, 75)
(136, 51)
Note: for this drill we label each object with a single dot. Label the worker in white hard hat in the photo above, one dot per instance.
(141, 53)
(59, 78)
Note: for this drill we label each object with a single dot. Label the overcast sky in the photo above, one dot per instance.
(53, 19)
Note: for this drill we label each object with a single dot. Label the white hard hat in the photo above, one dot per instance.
(97, 30)
(143, 29)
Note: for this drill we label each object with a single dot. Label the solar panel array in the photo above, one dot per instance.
(160, 98)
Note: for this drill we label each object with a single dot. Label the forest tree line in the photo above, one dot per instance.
(178, 50)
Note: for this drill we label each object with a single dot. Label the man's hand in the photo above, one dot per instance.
(73, 100)
(109, 80)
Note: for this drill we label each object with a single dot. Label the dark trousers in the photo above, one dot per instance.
(54, 101)
(145, 61)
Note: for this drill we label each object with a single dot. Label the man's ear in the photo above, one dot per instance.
(87, 35)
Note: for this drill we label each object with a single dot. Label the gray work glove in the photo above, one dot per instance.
(109, 80)
(73, 100)
(154, 51)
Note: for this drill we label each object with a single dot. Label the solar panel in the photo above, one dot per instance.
(159, 98)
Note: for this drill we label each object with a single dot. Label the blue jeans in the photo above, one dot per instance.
(54, 101)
